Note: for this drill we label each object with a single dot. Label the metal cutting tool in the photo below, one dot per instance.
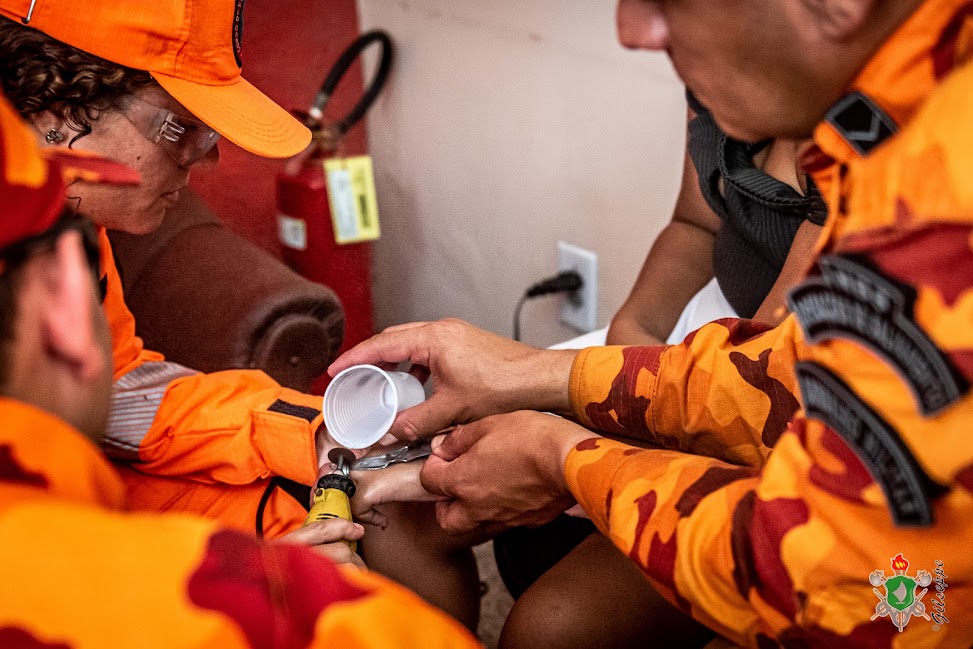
(408, 453)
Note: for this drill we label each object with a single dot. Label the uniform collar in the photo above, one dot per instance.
(40, 451)
(894, 83)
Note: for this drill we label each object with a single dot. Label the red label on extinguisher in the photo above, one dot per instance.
(292, 232)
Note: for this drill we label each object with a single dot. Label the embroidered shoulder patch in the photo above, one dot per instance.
(849, 300)
(907, 488)
(861, 122)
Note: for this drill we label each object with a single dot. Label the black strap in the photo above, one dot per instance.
(300, 493)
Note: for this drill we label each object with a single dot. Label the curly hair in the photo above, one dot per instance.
(39, 73)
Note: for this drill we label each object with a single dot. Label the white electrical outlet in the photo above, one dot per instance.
(580, 309)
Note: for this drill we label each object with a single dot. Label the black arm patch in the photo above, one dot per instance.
(294, 410)
(849, 300)
(908, 490)
(861, 122)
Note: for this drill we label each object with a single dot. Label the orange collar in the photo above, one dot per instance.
(903, 72)
(38, 450)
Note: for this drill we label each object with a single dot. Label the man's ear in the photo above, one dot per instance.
(69, 318)
(840, 20)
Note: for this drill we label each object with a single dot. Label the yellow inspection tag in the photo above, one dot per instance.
(351, 192)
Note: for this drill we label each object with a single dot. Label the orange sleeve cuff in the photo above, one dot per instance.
(590, 479)
(288, 445)
(606, 384)
(288, 440)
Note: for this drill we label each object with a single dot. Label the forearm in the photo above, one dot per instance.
(726, 392)
(678, 265)
(653, 506)
(626, 329)
(542, 383)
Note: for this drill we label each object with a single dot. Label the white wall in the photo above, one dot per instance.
(509, 125)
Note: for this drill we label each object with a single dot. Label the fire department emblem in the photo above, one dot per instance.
(901, 600)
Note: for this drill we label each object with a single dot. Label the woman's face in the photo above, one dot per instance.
(138, 209)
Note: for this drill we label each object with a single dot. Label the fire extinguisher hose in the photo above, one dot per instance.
(339, 70)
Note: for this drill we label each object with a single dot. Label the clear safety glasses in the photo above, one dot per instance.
(185, 139)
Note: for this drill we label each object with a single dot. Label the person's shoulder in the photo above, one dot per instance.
(921, 175)
(939, 139)
(945, 116)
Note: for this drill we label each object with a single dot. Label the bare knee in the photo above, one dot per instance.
(595, 597)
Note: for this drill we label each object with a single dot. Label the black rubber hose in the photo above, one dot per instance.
(341, 67)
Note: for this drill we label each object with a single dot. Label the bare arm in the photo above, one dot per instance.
(679, 263)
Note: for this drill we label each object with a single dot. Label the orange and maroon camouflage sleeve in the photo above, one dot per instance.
(727, 391)
(868, 492)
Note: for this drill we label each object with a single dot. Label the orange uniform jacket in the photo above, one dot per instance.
(204, 443)
(849, 524)
(79, 573)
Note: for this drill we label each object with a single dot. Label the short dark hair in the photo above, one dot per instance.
(39, 73)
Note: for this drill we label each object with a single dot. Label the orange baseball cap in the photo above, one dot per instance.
(32, 183)
(192, 48)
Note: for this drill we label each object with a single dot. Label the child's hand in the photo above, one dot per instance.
(397, 483)
(330, 538)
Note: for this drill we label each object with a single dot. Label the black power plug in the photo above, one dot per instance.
(567, 281)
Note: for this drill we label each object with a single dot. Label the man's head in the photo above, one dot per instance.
(55, 348)
(764, 68)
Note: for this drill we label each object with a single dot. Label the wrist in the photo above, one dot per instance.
(563, 438)
(543, 381)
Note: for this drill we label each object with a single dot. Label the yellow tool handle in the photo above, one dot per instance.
(332, 500)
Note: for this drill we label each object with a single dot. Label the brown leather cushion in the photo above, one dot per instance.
(210, 300)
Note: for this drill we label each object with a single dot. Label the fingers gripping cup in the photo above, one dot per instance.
(361, 402)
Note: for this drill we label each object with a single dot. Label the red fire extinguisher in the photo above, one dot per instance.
(309, 236)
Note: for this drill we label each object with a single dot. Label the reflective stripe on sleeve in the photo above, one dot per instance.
(135, 401)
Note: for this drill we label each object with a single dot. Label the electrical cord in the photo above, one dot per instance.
(566, 281)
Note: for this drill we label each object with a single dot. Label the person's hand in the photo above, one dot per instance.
(397, 483)
(502, 471)
(324, 443)
(330, 538)
(475, 373)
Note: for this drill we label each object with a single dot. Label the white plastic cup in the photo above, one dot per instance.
(361, 402)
